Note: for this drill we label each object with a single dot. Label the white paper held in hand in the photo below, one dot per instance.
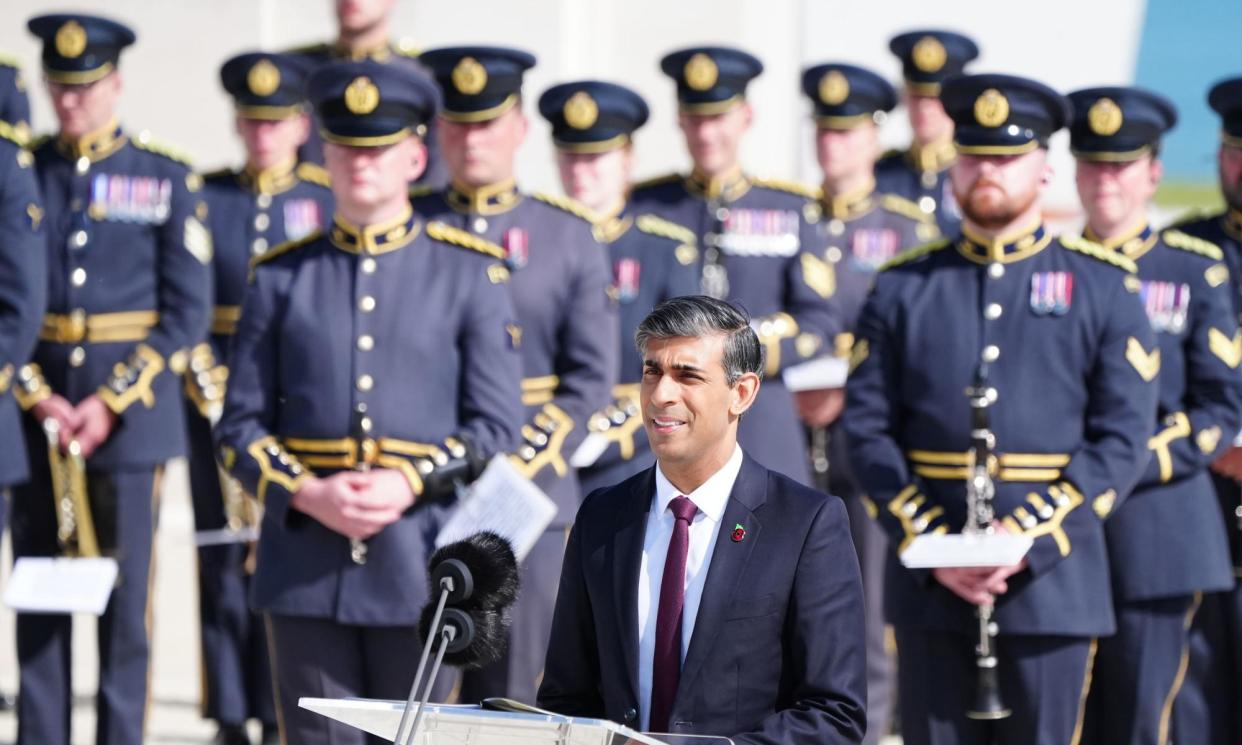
(592, 447)
(937, 551)
(504, 502)
(42, 584)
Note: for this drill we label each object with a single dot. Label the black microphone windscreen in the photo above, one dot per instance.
(493, 568)
(487, 629)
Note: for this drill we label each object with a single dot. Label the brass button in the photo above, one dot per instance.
(368, 265)
(261, 221)
(366, 343)
(366, 304)
(78, 277)
(365, 383)
(77, 357)
(259, 245)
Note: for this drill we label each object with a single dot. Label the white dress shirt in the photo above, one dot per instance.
(710, 499)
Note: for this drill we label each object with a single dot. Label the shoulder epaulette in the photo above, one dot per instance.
(40, 141)
(566, 204)
(144, 141)
(449, 234)
(665, 228)
(791, 187)
(421, 190)
(316, 174)
(918, 252)
(893, 153)
(902, 206)
(406, 48)
(13, 134)
(657, 180)
(313, 47)
(1187, 242)
(280, 249)
(1096, 251)
(8, 60)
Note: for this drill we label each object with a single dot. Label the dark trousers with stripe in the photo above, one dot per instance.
(237, 677)
(123, 507)
(1043, 679)
(320, 658)
(1139, 671)
(1208, 709)
(518, 674)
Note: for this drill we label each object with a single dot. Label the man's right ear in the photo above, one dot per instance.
(745, 389)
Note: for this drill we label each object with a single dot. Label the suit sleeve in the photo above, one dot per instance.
(824, 642)
(872, 421)
(1189, 439)
(247, 449)
(808, 311)
(586, 367)
(1121, 405)
(184, 298)
(491, 396)
(23, 268)
(571, 673)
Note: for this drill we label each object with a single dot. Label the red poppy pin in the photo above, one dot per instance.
(739, 533)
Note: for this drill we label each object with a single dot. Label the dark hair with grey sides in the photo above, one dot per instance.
(696, 316)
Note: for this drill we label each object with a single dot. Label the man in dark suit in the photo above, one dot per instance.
(669, 623)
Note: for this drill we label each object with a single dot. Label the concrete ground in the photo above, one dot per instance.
(174, 717)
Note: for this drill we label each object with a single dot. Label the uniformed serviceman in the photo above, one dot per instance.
(128, 295)
(364, 32)
(593, 125)
(1166, 542)
(14, 105)
(758, 248)
(372, 369)
(1207, 708)
(920, 172)
(566, 323)
(1050, 334)
(271, 200)
(857, 229)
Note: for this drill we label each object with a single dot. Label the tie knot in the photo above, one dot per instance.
(683, 509)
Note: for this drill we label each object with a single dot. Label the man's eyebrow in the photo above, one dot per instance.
(683, 366)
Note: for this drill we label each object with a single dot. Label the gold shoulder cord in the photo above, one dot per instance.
(75, 528)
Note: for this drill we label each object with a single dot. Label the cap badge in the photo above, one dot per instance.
(71, 40)
(361, 96)
(700, 72)
(834, 88)
(1105, 117)
(263, 79)
(929, 54)
(581, 111)
(469, 77)
(991, 108)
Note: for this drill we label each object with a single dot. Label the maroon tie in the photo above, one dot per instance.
(666, 661)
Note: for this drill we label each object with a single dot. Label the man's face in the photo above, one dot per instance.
(367, 177)
(1115, 194)
(82, 109)
(1229, 161)
(713, 140)
(598, 180)
(272, 142)
(482, 153)
(360, 15)
(843, 153)
(688, 406)
(994, 190)
(928, 121)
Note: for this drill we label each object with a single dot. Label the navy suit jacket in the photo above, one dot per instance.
(777, 654)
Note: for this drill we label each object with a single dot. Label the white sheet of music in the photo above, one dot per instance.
(956, 550)
(504, 502)
(57, 585)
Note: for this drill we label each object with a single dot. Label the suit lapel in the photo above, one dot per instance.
(631, 521)
(729, 561)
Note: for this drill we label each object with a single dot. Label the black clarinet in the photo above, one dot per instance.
(980, 513)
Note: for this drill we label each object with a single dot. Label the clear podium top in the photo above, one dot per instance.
(446, 724)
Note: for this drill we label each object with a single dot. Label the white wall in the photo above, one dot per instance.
(172, 88)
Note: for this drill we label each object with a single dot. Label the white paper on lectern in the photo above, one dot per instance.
(504, 502)
(57, 585)
(589, 451)
(956, 550)
(825, 372)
